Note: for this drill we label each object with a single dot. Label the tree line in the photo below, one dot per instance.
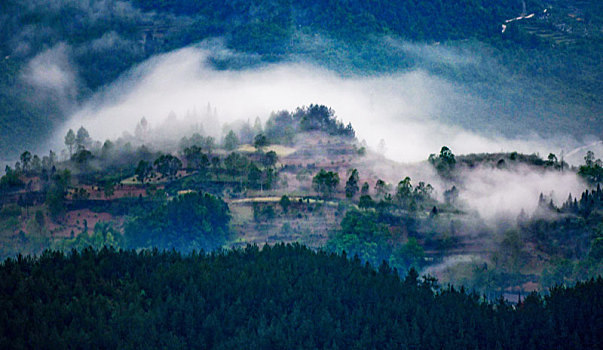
(284, 296)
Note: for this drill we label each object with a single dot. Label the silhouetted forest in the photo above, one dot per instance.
(285, 296)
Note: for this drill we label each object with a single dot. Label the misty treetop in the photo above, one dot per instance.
(282, 126)
(592, 170)
(444, 163)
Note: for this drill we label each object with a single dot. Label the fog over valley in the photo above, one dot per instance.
(313, 175)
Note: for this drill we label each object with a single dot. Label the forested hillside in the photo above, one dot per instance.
(285, 296)
(174, 174)
(304, 177)
(89, 44)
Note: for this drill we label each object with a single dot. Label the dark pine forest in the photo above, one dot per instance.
(284, 296)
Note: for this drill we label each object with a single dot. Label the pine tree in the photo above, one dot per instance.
(70, 141)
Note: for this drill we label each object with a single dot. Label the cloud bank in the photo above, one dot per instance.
(403, 109)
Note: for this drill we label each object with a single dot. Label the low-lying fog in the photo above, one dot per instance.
(402, 109)
(405, 110)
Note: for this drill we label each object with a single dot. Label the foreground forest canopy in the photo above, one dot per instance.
(285, 296)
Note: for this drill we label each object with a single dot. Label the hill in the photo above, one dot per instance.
(498, 222)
